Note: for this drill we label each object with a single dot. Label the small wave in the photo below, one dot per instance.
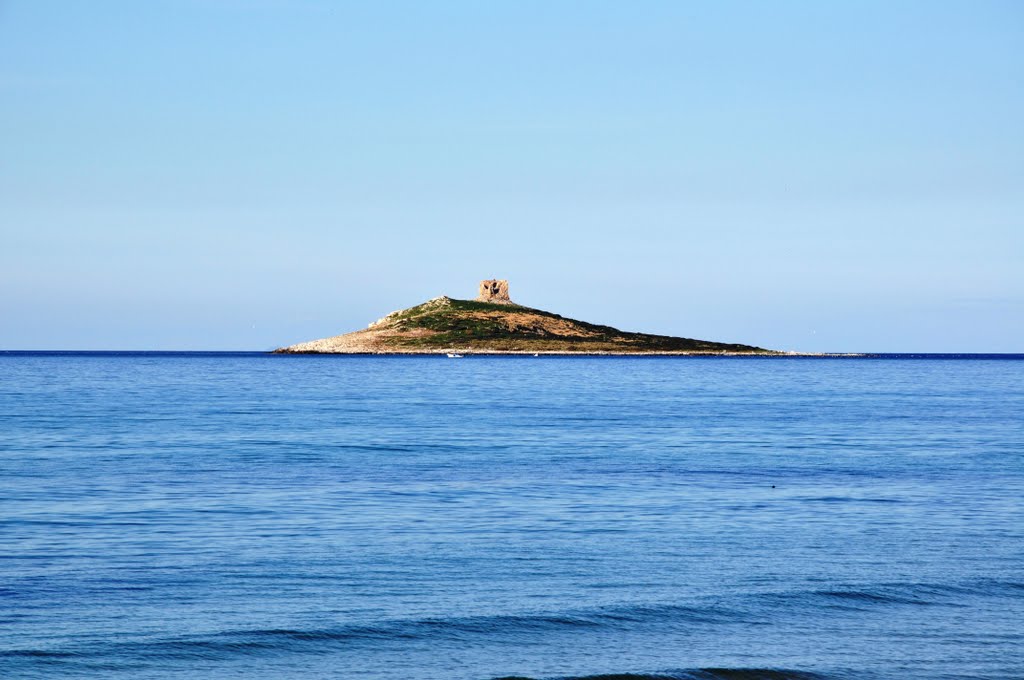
(927, 593)
(749, 609)
(36, 654)
(872, 597)
(454, 629)
(849, 499)
(698, 674)
(227, 644)
(505, 625)
(893, 594)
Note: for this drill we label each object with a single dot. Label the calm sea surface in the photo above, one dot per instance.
(257, 516)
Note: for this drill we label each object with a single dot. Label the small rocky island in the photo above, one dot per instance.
(493, 324)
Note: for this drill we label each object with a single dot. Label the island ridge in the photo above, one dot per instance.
(493, 324)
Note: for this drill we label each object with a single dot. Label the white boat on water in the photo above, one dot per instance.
(452, 355)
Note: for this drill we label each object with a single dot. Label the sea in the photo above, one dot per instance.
(220, 515)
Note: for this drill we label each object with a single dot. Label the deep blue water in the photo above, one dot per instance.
(257, 516)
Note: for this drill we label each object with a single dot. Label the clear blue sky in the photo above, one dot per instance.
(231, 174)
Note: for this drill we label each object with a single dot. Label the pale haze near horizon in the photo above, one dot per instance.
(245, 175)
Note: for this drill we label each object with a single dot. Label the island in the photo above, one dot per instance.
(493, 324)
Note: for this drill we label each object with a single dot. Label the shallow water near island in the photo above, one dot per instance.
(258, 516)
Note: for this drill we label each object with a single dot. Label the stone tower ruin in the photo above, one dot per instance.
(494, 290)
